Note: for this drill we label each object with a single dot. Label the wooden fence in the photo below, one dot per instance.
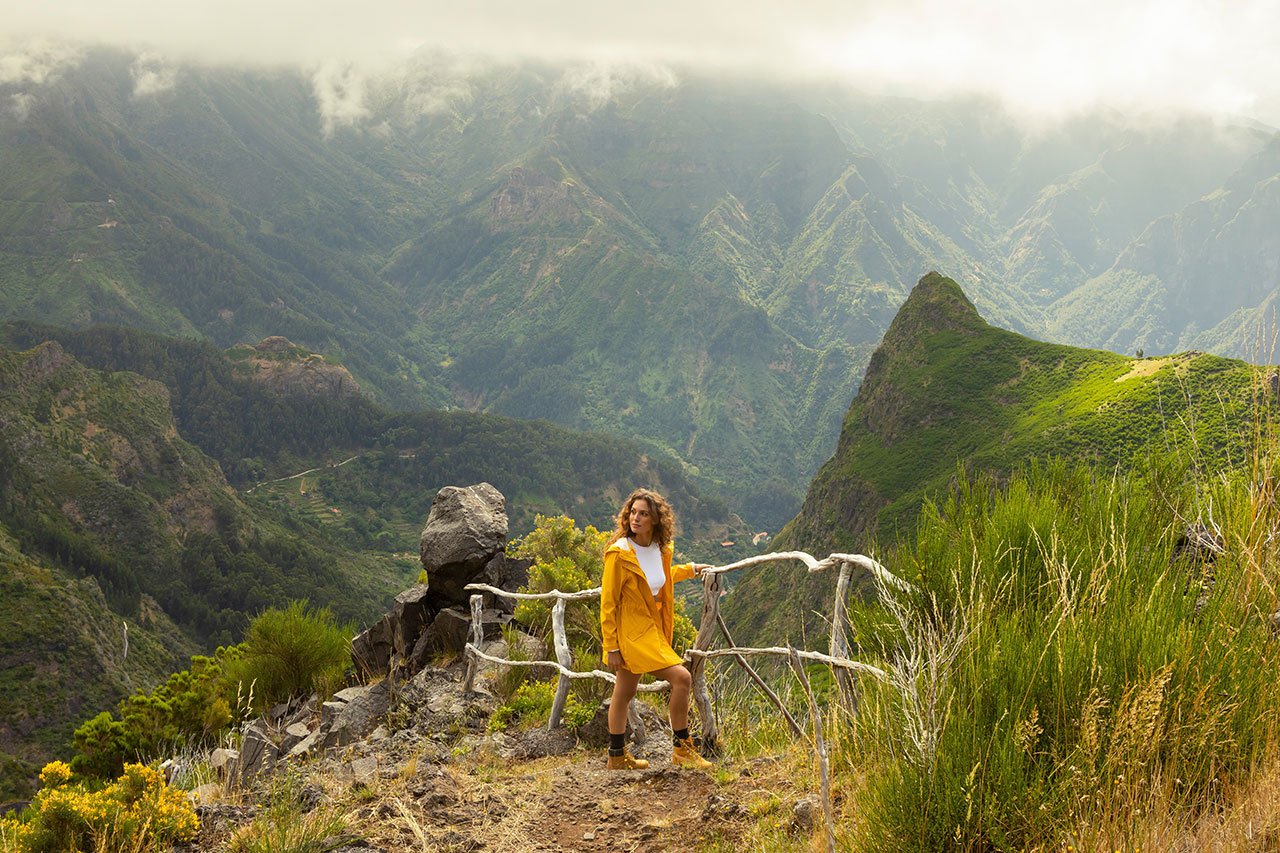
(696, 657)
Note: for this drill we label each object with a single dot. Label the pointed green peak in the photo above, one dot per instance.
(935, 304)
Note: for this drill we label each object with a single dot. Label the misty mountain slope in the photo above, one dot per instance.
(476, 237)
(128, 213)
(1199, 277)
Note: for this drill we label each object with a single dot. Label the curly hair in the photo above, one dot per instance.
(664, 518)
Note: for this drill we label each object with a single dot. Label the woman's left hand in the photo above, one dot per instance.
(699, 567)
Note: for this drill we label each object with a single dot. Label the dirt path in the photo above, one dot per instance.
(568, 802)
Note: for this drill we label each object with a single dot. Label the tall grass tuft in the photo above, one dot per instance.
(1062, 672)
(285, 826)
(292, 652)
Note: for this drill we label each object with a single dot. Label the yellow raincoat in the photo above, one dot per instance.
(631, 620)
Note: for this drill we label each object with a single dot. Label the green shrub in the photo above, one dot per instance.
(192, 707)
(137, 812)
(531, 701)
(291, 652)
(566, 559)
(1056, 671)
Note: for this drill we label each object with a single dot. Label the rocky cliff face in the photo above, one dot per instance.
(292, 371)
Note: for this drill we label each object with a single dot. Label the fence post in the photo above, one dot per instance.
(637, 723)
(697, 665)
(563, 658)
(824, 767)
(477, 638)
(839, 644)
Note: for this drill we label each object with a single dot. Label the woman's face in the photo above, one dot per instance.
(641, 519)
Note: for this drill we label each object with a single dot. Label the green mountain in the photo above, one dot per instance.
(704, 264)
(108, 517)
(268, 412)
(65, 655)
(945, 390)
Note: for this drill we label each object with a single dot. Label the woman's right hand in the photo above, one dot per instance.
(615, 660)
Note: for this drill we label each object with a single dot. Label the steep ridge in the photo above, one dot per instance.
(944, 389)
(98, 480)
(233, 406)
(65, 654)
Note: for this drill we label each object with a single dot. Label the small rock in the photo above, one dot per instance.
(589, 835)
(294, 735)
(350, 694)
(220, 760)
(329, 712)
(804, 814)
(210, 792)
(258, 754)
(720, 807)
(364, 769)
(304, 747)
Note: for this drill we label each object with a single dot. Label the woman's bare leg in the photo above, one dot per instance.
(678, 705)
(624, 690)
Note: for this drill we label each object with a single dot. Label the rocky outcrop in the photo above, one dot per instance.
(292, 371)
(463, 542)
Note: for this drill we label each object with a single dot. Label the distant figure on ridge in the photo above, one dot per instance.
(637, 614)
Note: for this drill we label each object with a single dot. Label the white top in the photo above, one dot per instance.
(650, 558)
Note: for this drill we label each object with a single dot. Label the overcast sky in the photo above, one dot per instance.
(1046, 57)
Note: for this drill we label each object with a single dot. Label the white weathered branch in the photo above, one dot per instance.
(815, 565)
(565, 659)
(581, 595)
(854, 665)
(655, 687)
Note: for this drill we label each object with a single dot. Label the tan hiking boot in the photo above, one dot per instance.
(627, 761)
(685, 754)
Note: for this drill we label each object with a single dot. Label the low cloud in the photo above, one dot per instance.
(596, 84)
(1046, 58)
(20, 105)
(340, 92)
(151, 75)
(36, 62)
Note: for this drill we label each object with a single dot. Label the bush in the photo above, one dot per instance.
(567, 559)
(136, 812)
(531, 704)
(291, 652)
(192, 707)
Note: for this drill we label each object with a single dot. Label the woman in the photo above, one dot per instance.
(637, 613)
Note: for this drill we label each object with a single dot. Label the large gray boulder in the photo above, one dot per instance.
(466, 528)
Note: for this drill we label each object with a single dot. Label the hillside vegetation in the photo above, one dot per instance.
(110, 513)
(948, 395)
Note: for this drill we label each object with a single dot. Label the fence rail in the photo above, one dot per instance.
(836, 657)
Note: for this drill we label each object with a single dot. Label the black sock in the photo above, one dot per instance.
(680, 735)
(617, 743)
